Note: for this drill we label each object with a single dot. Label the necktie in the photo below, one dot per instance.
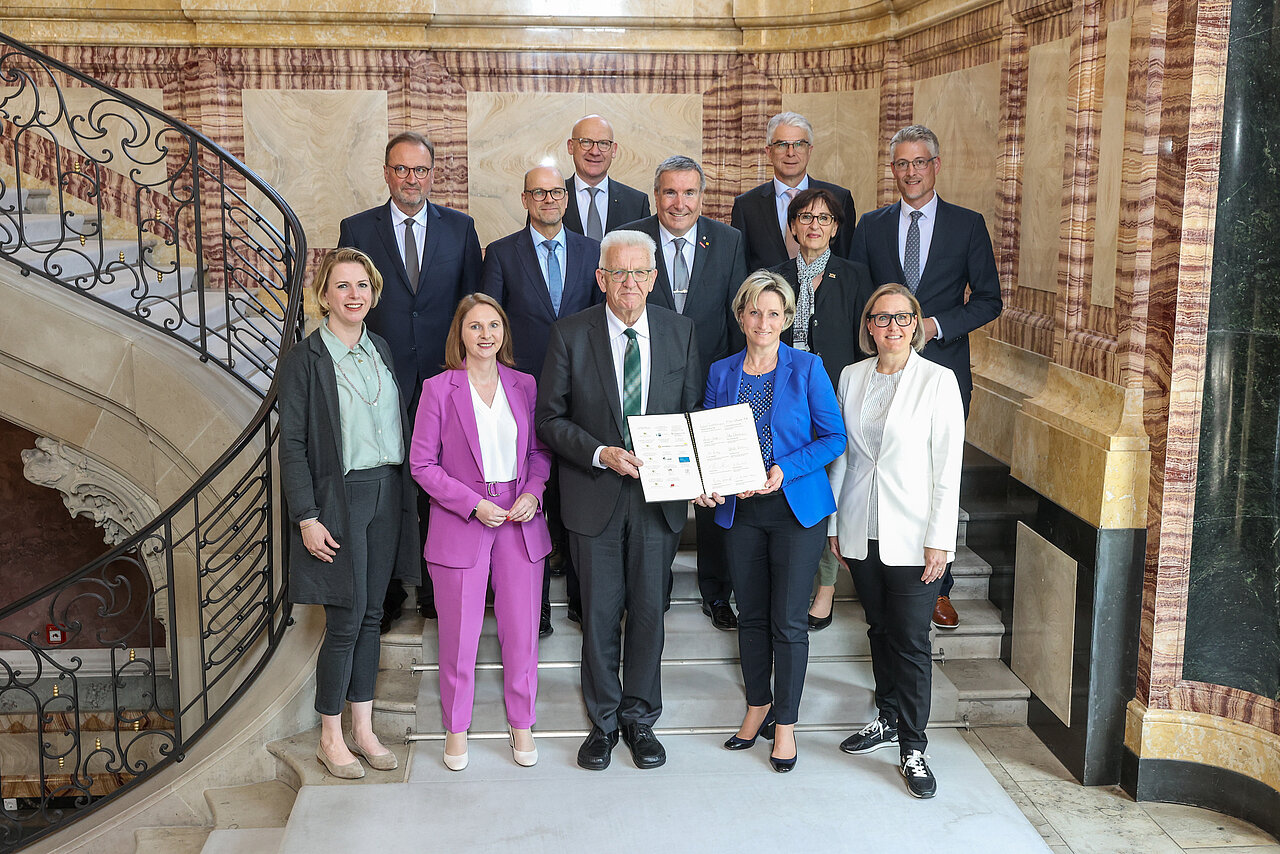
(630, 384)
(793, 248)
(594, 230)
(411, 258)
(555, 282)
(680, 276)
(911, 257)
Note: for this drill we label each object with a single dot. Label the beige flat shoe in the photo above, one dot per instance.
(351, 771)
(381, 762)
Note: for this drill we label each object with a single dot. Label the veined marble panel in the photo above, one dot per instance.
(1044, 613)
(845, 140)
(1004, 376)
(321, 150)
(510, 133)
(1042, 188)
(1106, 229)
(1206, 739)
(963, 109)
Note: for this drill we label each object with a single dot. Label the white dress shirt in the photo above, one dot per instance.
(668, 243)
(780, 198)
(618, 347)
(419, 229)
(496, 429)
(930, 211)
(584, 199)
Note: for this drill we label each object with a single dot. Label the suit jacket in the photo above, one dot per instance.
(446, 461)
(626, 204)
(416, 325)
(311, 476)
(917, 471)
(807, 429)
(512, 276)
(837, 312)
(960, 256)
(579, 407)
(718, 271)
(755, 214)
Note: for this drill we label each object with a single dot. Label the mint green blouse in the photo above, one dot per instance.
(368, 404)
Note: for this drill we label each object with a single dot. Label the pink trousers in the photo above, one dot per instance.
(517, 606)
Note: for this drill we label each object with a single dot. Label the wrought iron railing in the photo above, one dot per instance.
(110, 198)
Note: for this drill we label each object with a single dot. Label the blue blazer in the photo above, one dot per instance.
(808, 430)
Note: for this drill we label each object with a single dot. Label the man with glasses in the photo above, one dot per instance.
(540, 274)
(598, 204)
(761, 213)
(939, 251)
(700, 268)
(623, 358)
(429, 257)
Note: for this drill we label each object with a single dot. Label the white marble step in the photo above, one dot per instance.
(43, 230)
(264, 804)
(989, 693)
(170, 840)
(258, 840)
(79, 266)
(32, 201)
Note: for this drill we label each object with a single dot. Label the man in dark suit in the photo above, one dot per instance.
(613, 360)
(429, 257)
(597, 203)
(540, 274)
(761, 213)
(700, 268)
(939, 251)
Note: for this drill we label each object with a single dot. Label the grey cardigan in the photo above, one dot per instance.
(311, 475)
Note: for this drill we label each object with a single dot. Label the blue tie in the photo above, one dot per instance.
(911, 255)
(555, 281)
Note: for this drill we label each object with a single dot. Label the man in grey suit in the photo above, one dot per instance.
(613, 360)
(700, 268)
(539, 274)
(597, 203)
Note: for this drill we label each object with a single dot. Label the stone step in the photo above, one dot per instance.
(258, 840)
(297, 765)
(33, 201)
(81, 266)
(989, 693)
(43, 231)
(170, 840)
(266, 804)
(837, 694)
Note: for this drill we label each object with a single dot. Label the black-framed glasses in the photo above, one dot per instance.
(620, 276)
(801, 145)
(902, 318)
(918, 164)
(540, 194)
(823, 218)
(588, 144)
(403, 171)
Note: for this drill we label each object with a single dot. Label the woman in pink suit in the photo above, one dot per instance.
(475, 453)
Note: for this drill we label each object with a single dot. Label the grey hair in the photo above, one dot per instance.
(628, 240)
(679, 163)
(794, 120)
(916, 133)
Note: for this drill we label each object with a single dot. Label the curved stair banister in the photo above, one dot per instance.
(112, 199)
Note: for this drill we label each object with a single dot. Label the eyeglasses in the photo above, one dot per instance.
(823, 218)
(801, 145)
(902, 318)
(540, 195)
(588, 144)
(620, 276)
(918, 164)
(403, 171)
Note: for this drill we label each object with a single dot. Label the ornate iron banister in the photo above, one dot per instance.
(111, 198)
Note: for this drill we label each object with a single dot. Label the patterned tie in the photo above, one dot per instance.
(911, 257)
(555, 281)
(595, 230)
(680, 278)
(793, 248)
(630, 384)
(411, 257)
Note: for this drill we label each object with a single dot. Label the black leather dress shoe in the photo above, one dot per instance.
(544, 626)
(595, 751)
(646, 750)
(722, 616)
(428, 610)
(574, 615)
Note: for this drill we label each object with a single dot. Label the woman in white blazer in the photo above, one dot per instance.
(897, 489)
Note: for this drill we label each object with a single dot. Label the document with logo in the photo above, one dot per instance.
(697, 453)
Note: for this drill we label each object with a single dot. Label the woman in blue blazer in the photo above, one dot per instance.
(776, 533)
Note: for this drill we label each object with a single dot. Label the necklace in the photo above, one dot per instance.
(354, 388)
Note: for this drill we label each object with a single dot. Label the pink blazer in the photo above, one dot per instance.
(444, 457)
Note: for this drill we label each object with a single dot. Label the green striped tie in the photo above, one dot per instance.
(630, 384)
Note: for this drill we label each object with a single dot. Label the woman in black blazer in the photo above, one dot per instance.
(830, 293)
(344, 471)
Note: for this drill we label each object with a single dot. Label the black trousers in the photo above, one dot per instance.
(624, 570)
(898, 606)
(713, 561)
(772, 561)
(560, 538)
(347, 665)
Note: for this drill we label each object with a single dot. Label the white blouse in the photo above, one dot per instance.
(496, 427)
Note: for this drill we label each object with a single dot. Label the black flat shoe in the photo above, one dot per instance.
(817, 624)
(782, 766)
(766, 729)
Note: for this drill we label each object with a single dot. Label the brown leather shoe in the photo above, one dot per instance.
(944, 615)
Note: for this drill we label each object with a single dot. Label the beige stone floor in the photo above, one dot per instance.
(1074, 819)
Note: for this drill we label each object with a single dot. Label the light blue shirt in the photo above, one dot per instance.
(562, 252)
(780, 197)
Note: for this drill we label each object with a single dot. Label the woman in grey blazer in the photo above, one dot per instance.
(344, 470)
